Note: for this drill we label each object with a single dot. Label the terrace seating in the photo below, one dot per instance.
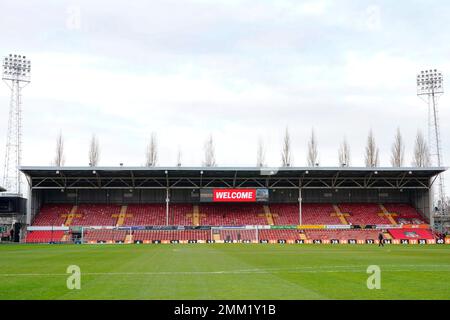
(342, 234)
(276, 234)
(181, 214)
(406, 213)
(155, 215)
(363, 213)
(236, 235)
(145, 215)
(226, 214)
(105, 235)
(44, 236)
(96, 215)
(52, 215)
(312, 213)
(142, 235)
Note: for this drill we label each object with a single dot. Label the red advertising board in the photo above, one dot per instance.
(234, 195)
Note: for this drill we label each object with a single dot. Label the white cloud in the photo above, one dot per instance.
(236, 69)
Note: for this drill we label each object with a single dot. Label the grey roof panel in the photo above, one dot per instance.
(50, 171)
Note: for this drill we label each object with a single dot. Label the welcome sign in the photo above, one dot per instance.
(234, 195)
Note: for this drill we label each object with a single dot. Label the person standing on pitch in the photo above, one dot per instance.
(380, 239)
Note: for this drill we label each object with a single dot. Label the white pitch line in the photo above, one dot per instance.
(328, 269)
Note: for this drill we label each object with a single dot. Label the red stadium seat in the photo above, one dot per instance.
(96, 215)
(406, 213)
(342, 234)
(52, 215)
(288, 214)
(44, 236)
(225, 214)
(363, 213)
(105, 235)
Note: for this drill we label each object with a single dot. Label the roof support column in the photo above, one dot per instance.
(167, 206)
(431, 212)
(300, 203)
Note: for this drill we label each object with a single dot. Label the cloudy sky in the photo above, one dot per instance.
(236, 69)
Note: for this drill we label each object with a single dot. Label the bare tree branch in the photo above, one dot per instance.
(371, 157)
(286, 160)
(94, 151)
(344, 154)
(313, 155)
(152, 151)
(261, 154)
(398, 150)
(59, 156)
(210, 157)
(421, 157)
(179, 156)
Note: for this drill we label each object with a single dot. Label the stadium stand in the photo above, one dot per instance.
(238, 235)
(44, 236)
(364, 213)
(192, 194)
(52, 215)
(342, 234)
(405, 213)
(226, 214)
(277, 234)
(142, 235)
(145, 215)
(312, 213)
(221, 214)
(96, 215)
(155, 215)
(181, 214)
(105, 235)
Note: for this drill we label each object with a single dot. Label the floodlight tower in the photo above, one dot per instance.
(430, 86)
(16, 74)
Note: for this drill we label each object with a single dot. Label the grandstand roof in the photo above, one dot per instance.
(228, 177)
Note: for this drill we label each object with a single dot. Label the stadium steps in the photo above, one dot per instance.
(71, 215)
(196, 216)
(65, 238)
(388, 215)
(216, 236)
(302, 236)
(340, 215)
(268, 215)
(387, 235)
(122, 216)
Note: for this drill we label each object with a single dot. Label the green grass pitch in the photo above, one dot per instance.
(224, 271)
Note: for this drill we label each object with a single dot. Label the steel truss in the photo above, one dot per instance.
(337, 181)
